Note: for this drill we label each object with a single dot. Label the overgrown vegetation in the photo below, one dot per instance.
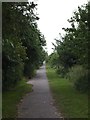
(70, 102)
(78, 75)
(71, 50)
(22, 42)
(22, 52)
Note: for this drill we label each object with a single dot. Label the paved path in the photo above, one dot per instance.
(39, 103)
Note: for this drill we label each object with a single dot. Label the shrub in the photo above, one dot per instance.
(82, 83)
(29, 70)
(61, 71)
(78, 75)
(12, 75)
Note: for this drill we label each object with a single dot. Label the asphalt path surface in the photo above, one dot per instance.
(38, 103)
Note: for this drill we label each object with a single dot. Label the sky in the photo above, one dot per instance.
(53, 16)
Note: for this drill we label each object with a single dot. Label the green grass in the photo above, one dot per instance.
(69, 102)
(11, 99)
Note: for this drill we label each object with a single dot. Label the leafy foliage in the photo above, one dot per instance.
(72, 48)
(22, 42)
(53, 60)
(78, 75)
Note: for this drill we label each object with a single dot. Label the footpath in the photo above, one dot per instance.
(38, 103)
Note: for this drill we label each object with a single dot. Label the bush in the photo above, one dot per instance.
(61, 71)
(82, 83)
(78, 75)
(12, 75)
(29, 70)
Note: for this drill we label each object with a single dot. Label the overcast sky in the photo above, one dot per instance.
(53, 17)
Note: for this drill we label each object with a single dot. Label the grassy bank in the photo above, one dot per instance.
(12, 98)
(70, 102)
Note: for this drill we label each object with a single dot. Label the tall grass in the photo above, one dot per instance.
(78, 75)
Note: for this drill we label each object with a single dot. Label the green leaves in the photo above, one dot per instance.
(72, 50)
(22, 41)
(75, 41)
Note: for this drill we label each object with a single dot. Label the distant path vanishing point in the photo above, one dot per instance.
(39, 103)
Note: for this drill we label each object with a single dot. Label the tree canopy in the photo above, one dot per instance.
(72, 48)
(22, 42)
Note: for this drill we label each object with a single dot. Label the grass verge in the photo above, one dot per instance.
(10, 99)
(69, 102)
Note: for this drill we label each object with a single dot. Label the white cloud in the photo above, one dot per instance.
(53, 17)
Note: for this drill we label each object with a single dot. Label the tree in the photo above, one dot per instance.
(72, 48)
(22, 42)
